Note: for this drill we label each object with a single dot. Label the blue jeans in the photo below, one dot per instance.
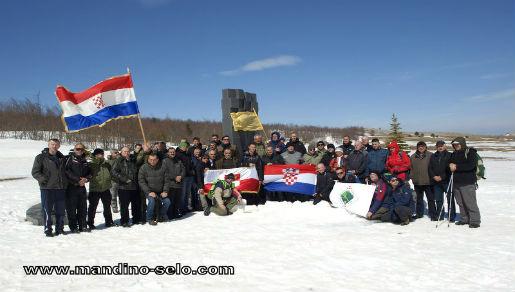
(161, 205)
(187, 186)
(53, 201)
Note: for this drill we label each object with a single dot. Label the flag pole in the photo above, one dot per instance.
(139, 117)
(262, 127)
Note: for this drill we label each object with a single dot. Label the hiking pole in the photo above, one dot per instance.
(449, 204)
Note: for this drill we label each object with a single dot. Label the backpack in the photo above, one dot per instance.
(480, 166)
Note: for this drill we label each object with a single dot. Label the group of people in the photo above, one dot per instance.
(161, 184)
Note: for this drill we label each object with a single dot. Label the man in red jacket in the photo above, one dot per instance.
(398, 163)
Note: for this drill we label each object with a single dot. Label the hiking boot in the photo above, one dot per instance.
(74, 231)
(153, 222)
(126, 225)
(59, 232)
(317, 199)
(109, 224)
(49, 233)
(461, 223)
(405, 222)
(92, 227)
(207, 211)
(474, 225)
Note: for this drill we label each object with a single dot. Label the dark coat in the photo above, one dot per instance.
(223, 163)
(256, 161)
(439, 166)
(125, 173)
(357, 161)
(325, 184)
(153, 178)
(185, 158)
(299, 146)
(401, 196)
(49, 171)
(274, 159)
(466, 164)
(347, 148)
(77, 167)
(174, 168)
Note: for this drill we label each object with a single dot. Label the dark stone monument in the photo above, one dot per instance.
(237, 100)
(35, 215)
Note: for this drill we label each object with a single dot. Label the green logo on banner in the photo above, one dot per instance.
(347, 196)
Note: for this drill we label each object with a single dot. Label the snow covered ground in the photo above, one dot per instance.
(280, 246)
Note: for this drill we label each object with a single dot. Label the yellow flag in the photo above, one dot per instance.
(246, 121)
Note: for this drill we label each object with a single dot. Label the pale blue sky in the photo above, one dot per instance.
(440, 65)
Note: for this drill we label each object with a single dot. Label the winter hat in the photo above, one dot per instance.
(421, 143)
(330, 146)
(311, 147)
(183, 144)
(338, 150)
(229, 176)
(320, 143)
(461, 141)
(440, 143)
(98, 151)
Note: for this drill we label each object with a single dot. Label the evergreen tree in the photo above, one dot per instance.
(396, 133)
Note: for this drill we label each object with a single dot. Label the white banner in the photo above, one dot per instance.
(354, 197)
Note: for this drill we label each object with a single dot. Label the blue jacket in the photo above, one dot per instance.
(401, 196)
(377, 160)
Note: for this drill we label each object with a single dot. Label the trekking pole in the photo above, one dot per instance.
(449, 204)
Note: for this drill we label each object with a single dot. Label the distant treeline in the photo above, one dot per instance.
(27, 119)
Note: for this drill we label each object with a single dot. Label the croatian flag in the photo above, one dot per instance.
(245, 178)
(110, 99)
(292, 178)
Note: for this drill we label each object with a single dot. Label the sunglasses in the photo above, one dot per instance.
(393, 180)
(79, 149)
(339, 173)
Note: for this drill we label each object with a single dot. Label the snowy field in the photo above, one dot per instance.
(278, 247)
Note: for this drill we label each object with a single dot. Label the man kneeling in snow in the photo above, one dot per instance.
(396, 207)
(223, 197)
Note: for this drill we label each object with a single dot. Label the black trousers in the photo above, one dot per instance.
(133, 198)
(431, 204)
(76, 207)
(175, 196)
(93, 199)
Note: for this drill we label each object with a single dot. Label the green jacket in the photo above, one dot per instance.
(312, 159)
(101, 180)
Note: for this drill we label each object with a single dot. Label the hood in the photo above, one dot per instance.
(278, 135)
(461, 141)
(394, 145)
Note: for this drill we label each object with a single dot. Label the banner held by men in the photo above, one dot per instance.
(292, 178)
(246, 178)
(354, 197)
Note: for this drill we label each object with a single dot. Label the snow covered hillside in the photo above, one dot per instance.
(280, 246)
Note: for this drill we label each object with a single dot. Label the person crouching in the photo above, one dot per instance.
(224, 197)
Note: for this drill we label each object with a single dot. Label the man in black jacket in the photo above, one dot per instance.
(357, 162)
(78, 173)
(439, 174)
(187, 188)
(324, 186)
(297, 144)
(125, 173)
(48, 170)
(463, 164)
